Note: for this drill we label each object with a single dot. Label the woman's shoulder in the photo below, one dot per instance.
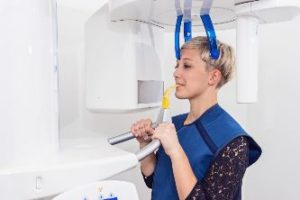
(178, 120)
(179, 116)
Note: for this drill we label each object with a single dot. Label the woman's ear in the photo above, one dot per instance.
(214, 77)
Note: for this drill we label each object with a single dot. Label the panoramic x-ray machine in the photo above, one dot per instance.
(34, 161)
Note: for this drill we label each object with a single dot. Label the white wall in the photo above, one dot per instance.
(273, 121)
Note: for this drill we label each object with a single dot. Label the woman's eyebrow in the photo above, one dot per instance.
(188, 59)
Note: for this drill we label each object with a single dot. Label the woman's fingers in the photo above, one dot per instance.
(142, 129)
(145, 137)
(135, 129)
(167, 135)
(164, 130)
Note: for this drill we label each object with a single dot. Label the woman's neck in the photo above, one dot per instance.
(199, 105)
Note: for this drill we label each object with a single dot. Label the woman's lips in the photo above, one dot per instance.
(178, 85)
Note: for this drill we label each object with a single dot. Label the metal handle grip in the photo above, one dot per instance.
(147, 150)
(120, 138)
(125, 136)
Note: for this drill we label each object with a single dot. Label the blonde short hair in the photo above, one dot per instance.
(225, 63)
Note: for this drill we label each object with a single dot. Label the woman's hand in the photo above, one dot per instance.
(167, 135)
(143, 131)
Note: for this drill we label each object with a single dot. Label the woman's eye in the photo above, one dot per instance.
(186, 66)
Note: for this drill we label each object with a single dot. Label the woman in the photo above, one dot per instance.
(204, 153)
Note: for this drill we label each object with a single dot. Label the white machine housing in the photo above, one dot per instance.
(123, 63)
(28, 81)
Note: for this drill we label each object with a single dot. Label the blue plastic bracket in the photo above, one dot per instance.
(187, 31)
(211, 36)
(177, 36)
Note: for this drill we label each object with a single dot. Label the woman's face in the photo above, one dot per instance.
(191, 76)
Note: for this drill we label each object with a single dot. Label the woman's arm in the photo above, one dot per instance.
(148, 164)
(143, 131)
(185, 178)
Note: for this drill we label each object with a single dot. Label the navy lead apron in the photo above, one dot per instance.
(201, 141)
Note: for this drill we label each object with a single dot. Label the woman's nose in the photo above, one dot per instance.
(176, 73)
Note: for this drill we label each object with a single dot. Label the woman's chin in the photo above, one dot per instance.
(180, 96)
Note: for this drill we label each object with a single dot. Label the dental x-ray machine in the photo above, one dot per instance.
(34, 161)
